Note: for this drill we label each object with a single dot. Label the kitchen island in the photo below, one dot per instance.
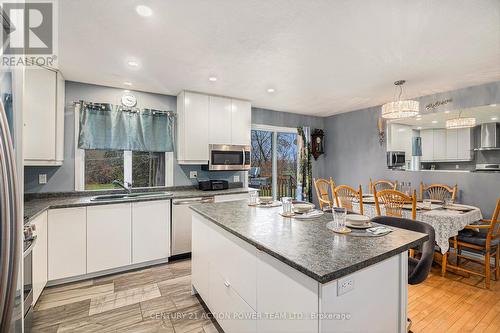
(260, 272)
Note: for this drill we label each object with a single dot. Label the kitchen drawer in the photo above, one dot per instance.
(236, 261)
(230, 310)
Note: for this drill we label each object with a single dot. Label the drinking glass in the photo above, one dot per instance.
(287, 205)
(339, 217)
(427, 204)
(252, 200)
(448, 202)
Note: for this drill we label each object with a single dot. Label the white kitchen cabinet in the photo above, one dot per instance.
(150, 230)
(43, 116)
(439, 143)
(464, 150)
(39, 258)
(219, 122)
(427, 145)
(202, 252)
(451, 144)
(241, 122)
(67, 242)
(192, 123)
(109, 238)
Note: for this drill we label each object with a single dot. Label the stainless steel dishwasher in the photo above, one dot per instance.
(181, 224)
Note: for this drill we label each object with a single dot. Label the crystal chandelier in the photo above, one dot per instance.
(400, 108)
(460, 122)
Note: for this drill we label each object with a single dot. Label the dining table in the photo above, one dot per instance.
(447, 222)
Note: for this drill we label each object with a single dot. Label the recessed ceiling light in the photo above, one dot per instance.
(401, 130)
(493, 105)
(144, 10)
(419, 127)
(270, 90)
(212, 79)
(434, 121)
(127, 91)
(127, 83)
(418, 118)
(494, 118)
(447, 111)
(133, 63)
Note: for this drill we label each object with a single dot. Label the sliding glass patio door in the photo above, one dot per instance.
(274, 161)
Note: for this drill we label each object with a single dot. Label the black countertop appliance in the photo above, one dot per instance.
(213, 185)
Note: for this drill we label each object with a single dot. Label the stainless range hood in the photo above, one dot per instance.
(490, 137)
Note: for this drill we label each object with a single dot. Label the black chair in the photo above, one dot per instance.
(418, 269)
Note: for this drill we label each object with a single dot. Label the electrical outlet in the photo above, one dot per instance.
(344, 286)
(457, 166)
(236, 178)
(42, 178)
(193, 174)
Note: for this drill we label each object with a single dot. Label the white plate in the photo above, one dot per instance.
(357, 219)
(358, 226)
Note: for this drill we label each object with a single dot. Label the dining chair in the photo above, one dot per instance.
(438, 192)
(380, 185)
(324, 191)
(346, 195)
(394, 202)
(482, 239)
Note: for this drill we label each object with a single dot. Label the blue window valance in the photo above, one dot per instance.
(110, 127)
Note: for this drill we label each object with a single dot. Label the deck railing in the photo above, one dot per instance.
(286, 187)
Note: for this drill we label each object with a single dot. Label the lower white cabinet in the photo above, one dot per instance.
(39, 258)
(109, 237)
(150, 230)
(67, 242)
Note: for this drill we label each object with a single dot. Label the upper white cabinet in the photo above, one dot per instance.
(399, 139)
(220, 118)
(43, 133)
(443, 145)
(204, 120)
(109, 236)
(241, 122)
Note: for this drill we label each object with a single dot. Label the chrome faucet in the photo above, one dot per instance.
(126, 185)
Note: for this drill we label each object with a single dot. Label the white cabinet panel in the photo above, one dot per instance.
(464, 144)
(219, 120)
(66, 242)
(108, 236)
(39, 264)
(275, 280)
(201, 255)
(241, 122)
(192, 143)
(427, 144)
(439, 143)
(451, 144)
(150, 230)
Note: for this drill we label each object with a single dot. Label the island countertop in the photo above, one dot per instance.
(307, 245)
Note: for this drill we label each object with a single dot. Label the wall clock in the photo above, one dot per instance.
(129, 100)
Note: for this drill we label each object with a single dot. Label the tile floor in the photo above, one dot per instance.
(155, 299)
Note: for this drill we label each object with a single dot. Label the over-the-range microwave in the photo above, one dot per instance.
(228, 157)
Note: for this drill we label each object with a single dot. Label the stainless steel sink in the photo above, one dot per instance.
(128, 196)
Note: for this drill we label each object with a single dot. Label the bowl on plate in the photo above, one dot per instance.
(302, 207)
(265, 200)
(358, 220)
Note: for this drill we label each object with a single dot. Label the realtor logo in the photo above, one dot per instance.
(28, 33)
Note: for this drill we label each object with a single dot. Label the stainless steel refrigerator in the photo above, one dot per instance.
(11, 238)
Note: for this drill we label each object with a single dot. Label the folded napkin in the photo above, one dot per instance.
(379, 230)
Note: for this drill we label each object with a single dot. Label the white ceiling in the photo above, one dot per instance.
(322, 56)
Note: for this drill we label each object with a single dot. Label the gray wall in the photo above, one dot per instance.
(354, 153)
(62, 179)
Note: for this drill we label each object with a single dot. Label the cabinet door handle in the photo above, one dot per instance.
(227, 284)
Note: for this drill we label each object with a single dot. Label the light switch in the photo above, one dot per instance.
(42, 178)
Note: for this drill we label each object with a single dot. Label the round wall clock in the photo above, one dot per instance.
(129, 100)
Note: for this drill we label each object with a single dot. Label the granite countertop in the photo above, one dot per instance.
(307, 245)
(36, 204)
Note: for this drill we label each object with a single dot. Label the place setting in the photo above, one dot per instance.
(263, 202)
(301, 210)
(355, 224)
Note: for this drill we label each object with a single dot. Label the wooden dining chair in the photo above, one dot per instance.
(380, 185)
(482, 239)
(394, 202)
(324, 191)
(346, 195)
(438, 192)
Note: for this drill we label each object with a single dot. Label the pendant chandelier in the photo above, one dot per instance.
(459, 122)
(400, 108)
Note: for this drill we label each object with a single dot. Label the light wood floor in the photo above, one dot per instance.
(158, 299)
